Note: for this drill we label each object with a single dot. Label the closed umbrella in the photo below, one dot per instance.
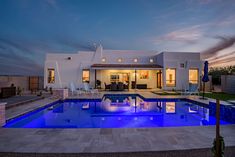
(205, 77)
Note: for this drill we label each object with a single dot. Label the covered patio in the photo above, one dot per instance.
(120, 77)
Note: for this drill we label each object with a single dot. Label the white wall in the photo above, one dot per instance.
(67, 71)
(173, 60)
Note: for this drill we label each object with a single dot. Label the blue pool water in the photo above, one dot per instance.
(122, 111)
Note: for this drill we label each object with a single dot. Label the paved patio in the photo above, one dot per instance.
(111, 140)
(147, 141)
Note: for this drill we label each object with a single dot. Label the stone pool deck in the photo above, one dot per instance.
(115, 140)
(169, 141)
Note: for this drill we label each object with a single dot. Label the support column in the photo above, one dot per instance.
(135, 78)
(95, 78)
(2, 114)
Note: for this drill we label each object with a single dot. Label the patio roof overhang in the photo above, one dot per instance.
(126, 66)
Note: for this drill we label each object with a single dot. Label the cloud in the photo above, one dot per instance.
(225, 42)
(189, 35)
(52, 3)
(24, 57)
(224, 61)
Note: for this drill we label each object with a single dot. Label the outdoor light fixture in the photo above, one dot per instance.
(151, 60)
(119, 60)
(103, 59)
(135, 60)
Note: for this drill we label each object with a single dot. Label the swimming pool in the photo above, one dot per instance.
(117, 111)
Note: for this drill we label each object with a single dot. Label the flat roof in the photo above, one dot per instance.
(126, 66)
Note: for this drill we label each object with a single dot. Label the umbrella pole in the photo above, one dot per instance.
(218, 147)
(203, 94)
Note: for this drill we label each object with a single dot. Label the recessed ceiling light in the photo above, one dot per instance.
(119, 59)
(103, 59)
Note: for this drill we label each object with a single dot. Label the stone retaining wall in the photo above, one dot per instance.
(2, 114)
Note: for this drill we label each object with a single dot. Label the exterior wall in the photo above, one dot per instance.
(228, 84)
(173, 60)
(67, 71)
(18, 81)
(70, 70)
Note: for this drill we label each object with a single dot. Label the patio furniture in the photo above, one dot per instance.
(193, 90)
(98, 84)
(133, 84)
(120, 86)
(141, 86)
(107, 86)
(90, 90)
(113, 86)
(73, 89)
(7, 92)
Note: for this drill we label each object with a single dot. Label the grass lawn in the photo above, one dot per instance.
(220, 96)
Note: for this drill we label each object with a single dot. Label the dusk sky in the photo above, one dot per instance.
(31, 28)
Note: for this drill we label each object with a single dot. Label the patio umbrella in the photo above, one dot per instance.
(205, 77)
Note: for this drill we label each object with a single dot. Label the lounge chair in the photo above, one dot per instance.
(193, 90)
(89, 90)
(113, 86)
(107, 86)
(73, 89)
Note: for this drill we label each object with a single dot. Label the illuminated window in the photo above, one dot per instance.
(135, 60)
(151, 60)
(170, 77)
(86, 75)
(51, 75)
(103, 59)
(193, 76)
(119, 60)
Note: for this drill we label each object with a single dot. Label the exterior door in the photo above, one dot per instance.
(159, 79)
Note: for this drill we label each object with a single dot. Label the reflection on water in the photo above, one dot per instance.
(117, 112)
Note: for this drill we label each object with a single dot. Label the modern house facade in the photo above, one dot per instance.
(136, 69)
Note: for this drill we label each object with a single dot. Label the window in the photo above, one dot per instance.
(182, 65)
(151, 60)
(51, 75)
(135, 60)
(193, 76)
(170, 77)
(86, 75)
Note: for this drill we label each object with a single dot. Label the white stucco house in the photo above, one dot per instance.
(137, 69)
